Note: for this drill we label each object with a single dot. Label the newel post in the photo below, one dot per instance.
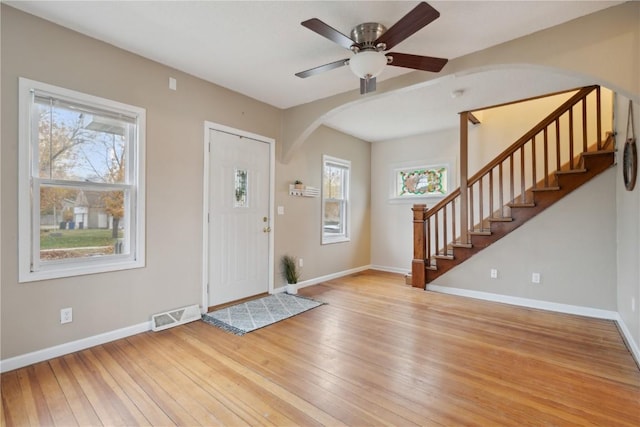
(464, 165)
(418, 279)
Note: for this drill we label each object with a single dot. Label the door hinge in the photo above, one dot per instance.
(208, 218)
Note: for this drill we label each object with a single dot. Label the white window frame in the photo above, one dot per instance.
(30, 268)
(329, 238)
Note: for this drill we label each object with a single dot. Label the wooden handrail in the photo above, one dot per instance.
(582, 93)
(463, 210)
(444, 202)
(555, 115)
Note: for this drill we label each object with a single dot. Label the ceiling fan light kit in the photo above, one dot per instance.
(368, 41)
(367, 64)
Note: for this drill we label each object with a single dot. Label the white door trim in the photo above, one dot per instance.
(209, 126)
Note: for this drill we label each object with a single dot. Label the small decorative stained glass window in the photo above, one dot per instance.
(428, 181)
(240, 195)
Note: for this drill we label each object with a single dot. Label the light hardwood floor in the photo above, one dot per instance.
(379, 353)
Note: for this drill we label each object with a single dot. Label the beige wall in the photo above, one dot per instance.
(572, 245)
(628, 228)
(502, 126)
(102, 303)
(392, 229)
(604, 46)
(499, 128)
(42, 51)
(175, 121)
(299, 231)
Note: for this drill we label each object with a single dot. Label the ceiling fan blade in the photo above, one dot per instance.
(413, 21)
(322, 68)
(316, 25)
(417, 62)
(367, 85)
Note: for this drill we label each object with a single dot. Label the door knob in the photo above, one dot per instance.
(267, 229)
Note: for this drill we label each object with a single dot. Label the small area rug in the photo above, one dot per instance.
(248, 316)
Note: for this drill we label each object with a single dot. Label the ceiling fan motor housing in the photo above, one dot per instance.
(366, 34)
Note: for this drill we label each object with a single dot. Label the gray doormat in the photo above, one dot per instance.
(245, 317)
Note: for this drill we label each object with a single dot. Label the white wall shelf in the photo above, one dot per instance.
(305, 191)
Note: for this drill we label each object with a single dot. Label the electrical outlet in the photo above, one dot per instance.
(493, 273)
(535, 278)
(66, 315)
(300, 262)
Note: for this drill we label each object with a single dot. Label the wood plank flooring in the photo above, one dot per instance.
(379, 353)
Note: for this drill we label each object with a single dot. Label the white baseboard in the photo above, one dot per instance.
(71, 347)
(526, 302)
(628, 339)
(551, 306)
(390, 269)
(321, 279)
(62, 349)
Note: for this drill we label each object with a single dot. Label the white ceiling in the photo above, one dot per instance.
(256, 47)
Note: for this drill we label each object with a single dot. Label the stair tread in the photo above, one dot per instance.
(462, 245)
(480, 233)
(552, 187)
(598, 153)
(500, 219)
(546, 189)
(569, 172)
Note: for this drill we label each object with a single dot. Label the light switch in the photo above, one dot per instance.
(280, 210)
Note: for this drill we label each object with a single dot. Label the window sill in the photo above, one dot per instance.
(58, 272)
(332, 240)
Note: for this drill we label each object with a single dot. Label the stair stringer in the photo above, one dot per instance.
(572, 244)
(594, 164)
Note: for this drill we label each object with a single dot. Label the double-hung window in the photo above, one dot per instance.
(81, 183)
(335, 199)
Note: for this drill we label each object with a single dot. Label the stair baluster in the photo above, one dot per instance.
(480, 217)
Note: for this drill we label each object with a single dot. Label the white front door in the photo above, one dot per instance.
(239, 217)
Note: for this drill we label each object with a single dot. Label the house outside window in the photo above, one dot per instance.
(335, 200)
(81, 183)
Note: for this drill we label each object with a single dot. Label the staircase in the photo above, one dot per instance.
(540, 168)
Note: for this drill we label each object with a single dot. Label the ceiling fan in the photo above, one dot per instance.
(368, 41)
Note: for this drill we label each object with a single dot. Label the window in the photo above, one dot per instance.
(422, 181)
(81, 183)
(335, 200)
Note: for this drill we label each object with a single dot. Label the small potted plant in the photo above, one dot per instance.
(298, 185)
(290, 272)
